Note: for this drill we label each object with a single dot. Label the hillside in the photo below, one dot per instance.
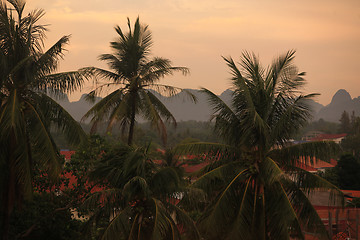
(340, 102)
(184, 109)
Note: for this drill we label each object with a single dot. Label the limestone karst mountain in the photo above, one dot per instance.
(183, 109)
(340, 102)
(77, 109)
(180, 106)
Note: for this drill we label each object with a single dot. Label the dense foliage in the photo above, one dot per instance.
(255, 187)
(26, 111)
(45, 217)
(346, 174)
(140, 197)
(250, 188)
(351, 142)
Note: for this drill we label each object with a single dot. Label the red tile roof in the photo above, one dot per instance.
(67, 154)
(194, 168)
(324, 137)
(352, 193)
(316, 163)
(73, 179)
(306, 167)
(321, 164)
(333, 162)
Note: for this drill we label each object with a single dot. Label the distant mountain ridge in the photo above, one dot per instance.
(340, 102)
(77, 109)
(184, 109)
(180, 105)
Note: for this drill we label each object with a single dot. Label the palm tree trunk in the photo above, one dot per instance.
(131, 131)
(8, 188)
(132, 121)
(5, 218)
(6, 207)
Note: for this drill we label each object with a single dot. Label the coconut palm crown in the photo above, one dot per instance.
(133, 75)
(140, 197)
(256, 189)
(26, 111)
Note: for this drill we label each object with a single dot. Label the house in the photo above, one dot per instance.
(329, 137)
(314, 165)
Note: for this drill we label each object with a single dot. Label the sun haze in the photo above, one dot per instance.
(195, 34)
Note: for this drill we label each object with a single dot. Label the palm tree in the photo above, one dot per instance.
(134, 75)
(26, 112)
(140, 197)
(255, 187)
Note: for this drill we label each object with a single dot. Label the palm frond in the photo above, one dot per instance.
(103, 108)
(46, 150)
(217, 211)
(65, 81)
(225, 117)
(15, 148)
(216, 176)
(121, 112)
(116, 78)
(47, 62)
(153, 70)
(164, 225)
(119, 225)
(18, 5)
(209, 149)
(183, 219)
(64, 122)
(278, 67)
(278, 204)
(107, 201)
(289, 116)
(165, 182)
(252, 70)
(240, 82)
(136, 188)
(307, 215)
(171, 91)
(152, 108)
(307, 153)
(310, 183)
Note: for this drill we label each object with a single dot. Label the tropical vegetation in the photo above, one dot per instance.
(346, 174)
(133, 75)
(26, 111)
(255, 187)
(140, 196)
(251, 188)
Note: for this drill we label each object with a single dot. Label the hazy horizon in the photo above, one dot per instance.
(326, 35)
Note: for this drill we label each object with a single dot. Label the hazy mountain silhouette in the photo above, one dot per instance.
(184, 109)
(316, 107)
(180, 106)
(77, 109)
(340, 102)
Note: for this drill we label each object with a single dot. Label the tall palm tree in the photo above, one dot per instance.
(134, 75)
(26, 111)
(255, 187)
(139, 198)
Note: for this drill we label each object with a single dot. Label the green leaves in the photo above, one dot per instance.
(26, 113)
(255, 187)
(134, 74)
(140, 197)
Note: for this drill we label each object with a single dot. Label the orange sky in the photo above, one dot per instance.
(195, 34)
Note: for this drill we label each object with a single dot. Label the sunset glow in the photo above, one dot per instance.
(326, 35)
